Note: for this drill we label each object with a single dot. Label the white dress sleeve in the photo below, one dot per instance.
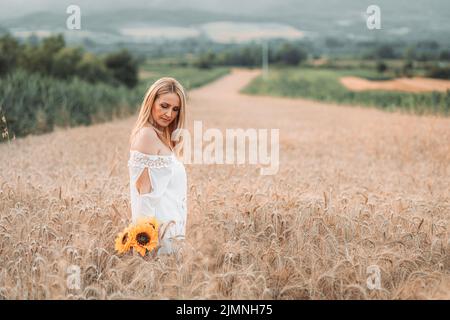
(160, 173)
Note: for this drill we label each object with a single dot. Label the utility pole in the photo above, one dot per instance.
(265, 57)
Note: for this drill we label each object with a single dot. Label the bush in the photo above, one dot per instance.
(385, 52)
(205, 60)
(93, 69)
(408, 69)
(9, 51)
(39, 58)
(381, 67)
(123, 68)
(445, 55)
(291, 55)
(65, 62)
(35, 104)
(439, 72)
(51, 57)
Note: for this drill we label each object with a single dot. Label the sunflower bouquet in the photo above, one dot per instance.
(142, 237)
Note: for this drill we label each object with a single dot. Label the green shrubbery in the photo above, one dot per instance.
(46, 84)
(32, 103)
(190, 77)
(439, 72)
(250, 55)
(52, 58)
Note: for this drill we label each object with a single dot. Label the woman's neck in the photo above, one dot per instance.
(157, 127)
(160, 131)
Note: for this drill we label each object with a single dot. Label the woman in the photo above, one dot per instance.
(158, 182)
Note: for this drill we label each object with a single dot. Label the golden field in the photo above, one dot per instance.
(414, 84)
(356, 187)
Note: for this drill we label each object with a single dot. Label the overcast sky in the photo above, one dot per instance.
(20, 7)
(15, 8)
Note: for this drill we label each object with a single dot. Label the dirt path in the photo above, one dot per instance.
(415, 84)
(342, 165)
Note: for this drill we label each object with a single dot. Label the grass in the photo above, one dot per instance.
(420, 67)
(323, 85)
(189, 77)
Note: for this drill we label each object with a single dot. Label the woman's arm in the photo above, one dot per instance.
(145, 142)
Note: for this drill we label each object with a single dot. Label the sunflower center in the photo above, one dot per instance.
(143, 238)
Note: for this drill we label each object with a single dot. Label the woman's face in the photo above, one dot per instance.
(166, 109)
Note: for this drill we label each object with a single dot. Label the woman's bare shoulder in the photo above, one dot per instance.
(145, 141)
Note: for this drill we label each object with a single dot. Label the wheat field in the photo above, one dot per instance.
(357, 187)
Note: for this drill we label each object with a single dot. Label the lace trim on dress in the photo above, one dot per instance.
(142, 160)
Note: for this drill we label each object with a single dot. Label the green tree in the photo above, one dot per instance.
(123, 67)
(410, 53)
(291, 55)
(40, 58)
(9, 52)
(439, 72)
(48, 49)
(385, 52)
(381, 66)
(408, 68)
(205, 60)
(444, 55)
(65, 62)
(92, 69)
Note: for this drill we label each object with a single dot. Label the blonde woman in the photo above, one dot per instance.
(158, 182)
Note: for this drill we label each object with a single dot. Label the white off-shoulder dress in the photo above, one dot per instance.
(167, 199)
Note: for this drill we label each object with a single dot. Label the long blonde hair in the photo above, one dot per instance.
(159, 87)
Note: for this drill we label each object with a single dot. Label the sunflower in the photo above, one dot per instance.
(124, 240)
(149, 221)
(145, 235)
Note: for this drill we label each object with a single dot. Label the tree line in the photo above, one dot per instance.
(251, 55)
(51, 57)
